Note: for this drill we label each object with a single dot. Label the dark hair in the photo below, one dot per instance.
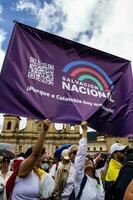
(5, 158)
(21, 155)
(101, 163)
(29, 152)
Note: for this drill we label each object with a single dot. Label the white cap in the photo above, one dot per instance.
(117, 147)
(65, 154)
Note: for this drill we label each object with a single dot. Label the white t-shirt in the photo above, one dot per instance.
(47, 186)
(3, 181)
(26, 188)
(92, 190)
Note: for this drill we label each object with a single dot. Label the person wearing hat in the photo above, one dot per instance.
(118, 153)
(64, 158)
(62, 174)
(82, 181)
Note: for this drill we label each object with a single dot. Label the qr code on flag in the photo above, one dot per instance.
(42, 72)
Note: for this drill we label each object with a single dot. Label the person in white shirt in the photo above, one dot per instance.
(70, 180)
(26, 181)
(93, 189)
(5, 173)
(64, 161)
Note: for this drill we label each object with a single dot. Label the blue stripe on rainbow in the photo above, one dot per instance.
(90, 64)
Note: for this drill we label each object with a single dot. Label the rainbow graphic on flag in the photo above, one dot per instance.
(89, 71)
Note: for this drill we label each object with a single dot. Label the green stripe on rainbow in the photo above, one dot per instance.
(92, 68)
(84, 77)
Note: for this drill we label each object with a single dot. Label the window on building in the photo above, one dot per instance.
(94, 148)
(58, 126)
(101, 148)
(20, 148)
(72, 127)
(9, 125)
(88, 148)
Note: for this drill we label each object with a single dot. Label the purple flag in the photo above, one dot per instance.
(46, 76)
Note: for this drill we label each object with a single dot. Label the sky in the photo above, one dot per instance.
(106, 25)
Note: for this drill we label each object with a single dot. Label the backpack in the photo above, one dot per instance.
(72, 195)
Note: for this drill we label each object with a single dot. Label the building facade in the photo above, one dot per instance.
(70, 134)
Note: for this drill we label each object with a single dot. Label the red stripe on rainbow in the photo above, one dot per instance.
(77, 71)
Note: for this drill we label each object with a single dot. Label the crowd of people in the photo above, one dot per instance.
(75, 175)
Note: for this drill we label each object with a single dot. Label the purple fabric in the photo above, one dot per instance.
(46, 76)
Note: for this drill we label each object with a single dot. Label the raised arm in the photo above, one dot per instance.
(76, 171)
(81, 154)
(84, 128)
(28, 164)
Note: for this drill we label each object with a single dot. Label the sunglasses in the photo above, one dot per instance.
(6, 161)
(122, 151)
